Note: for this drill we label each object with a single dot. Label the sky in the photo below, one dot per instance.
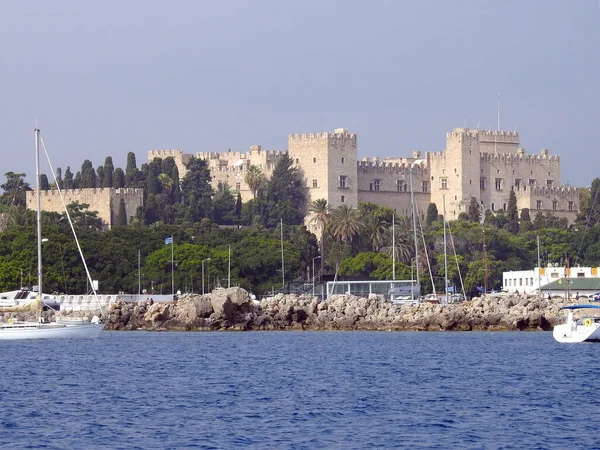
(104, 78)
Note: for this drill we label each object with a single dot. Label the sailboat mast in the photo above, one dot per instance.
(539, 265)
(139, 272)
(485, 267)
(445, 251)
(282, 261)
(393, 247)
(414, 217)
(229, 269)
(38, 214)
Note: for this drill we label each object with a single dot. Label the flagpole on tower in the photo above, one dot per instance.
(498, 111)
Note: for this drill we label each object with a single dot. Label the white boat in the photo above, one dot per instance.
(14, 329)
(583, 329)
(50, 330)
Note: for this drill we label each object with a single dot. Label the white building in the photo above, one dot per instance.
(530, 281)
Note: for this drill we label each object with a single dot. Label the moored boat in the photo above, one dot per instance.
(583, 329)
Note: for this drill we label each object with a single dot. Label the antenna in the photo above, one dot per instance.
(498, 111)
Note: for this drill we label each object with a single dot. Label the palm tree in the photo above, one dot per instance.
(321, 213)
(346, 223)
(254, 178)
(403, 247)
(166, 183)
(375, 227)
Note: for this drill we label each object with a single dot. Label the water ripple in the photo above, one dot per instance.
(304, 390)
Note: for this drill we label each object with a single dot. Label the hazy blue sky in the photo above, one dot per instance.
(107, 77)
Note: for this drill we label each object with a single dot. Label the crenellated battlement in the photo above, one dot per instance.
(174, 153)
(339, 135)
(437, 155)
(537, 190)
(502, 136)
(518, 158)
(105, 201)
(490, 136)
(89, 191)
(375, 166)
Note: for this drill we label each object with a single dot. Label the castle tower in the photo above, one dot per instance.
(327, 161)
(455, 173)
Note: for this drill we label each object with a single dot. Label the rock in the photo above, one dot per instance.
(231, 309)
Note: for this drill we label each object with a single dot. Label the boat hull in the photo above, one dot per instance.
(50, 331)
(577, 333)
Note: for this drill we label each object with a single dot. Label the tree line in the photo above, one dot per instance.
(207, 222)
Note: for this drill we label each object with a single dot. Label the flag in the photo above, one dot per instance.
(169, 240)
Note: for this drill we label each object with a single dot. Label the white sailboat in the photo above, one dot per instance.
(15, 329)
(585, 329)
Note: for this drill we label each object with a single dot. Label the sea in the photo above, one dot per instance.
(300, 390)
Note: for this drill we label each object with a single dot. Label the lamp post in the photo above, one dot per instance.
(203, 261)
(313, 273)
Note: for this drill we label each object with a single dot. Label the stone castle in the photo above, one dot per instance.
(482, 164)
(105, 201)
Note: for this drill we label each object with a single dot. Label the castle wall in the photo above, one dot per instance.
(103, 200)
(561, 201)
(387, 183)
(181, 158)
(500, 172)
(475, 163)
(227, 167)
(497, 141)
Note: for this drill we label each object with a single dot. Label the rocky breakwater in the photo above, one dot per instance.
(232, 309)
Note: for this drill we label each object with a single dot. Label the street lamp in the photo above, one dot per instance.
(313, 277)
(203, 261)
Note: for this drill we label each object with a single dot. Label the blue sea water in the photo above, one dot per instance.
(300, 390)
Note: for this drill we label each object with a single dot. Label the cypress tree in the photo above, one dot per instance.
(44, 185)
(512, 223)
(432, 214)
(121, 219)
(109, 168)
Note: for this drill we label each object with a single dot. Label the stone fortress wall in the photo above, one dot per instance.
(227, 167)
(482, 164)
(105, 201)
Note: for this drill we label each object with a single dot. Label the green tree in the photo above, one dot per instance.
(59, 178)
(255, 179)
(14, 189)
(589, 206)
(44, 185)
(374, 230)
(196, 190)
(474, 212)
(400, 241)
(224, 205)
(118, 178)
(286, 195)
(346, 223)
(68, 182)
(132, 174)
(83, 218)
(100, 177)
(512, 214)
(525, 222)
(121, 219)
(320, 212)
(238, 207)
(432, 214)
(109, 169)
(88, 175)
